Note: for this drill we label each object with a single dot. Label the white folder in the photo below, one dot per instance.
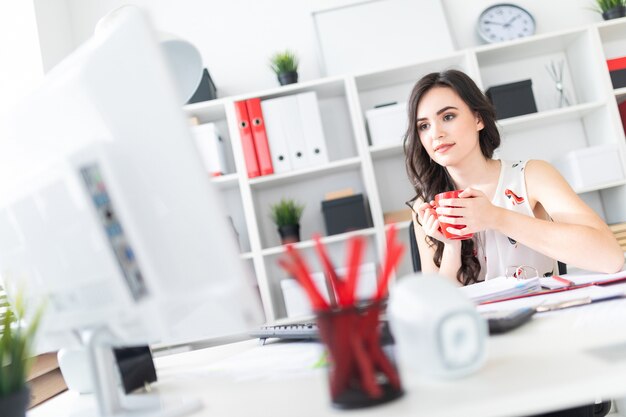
(211, 148)
(292, 124)
(276, 138)
(311, 122)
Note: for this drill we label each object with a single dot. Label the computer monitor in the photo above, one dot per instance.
(106, 209)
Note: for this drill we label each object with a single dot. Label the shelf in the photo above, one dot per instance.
(525, 48)
(275, 180)
(407, 73)
(324, 87)
(207, 110)
(383, 151)
(378, 171)
(325, 240)
(399, 225)
(620, 94)
(535, 120)
(600, 187)
(612, 28)
(226, 181)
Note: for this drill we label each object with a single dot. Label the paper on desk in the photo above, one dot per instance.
(500, 287)
(273, 361)
(594, 292)
(551, 283)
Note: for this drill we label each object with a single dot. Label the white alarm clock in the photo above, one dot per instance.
(504, 22)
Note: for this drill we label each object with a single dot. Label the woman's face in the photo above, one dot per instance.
(447, 127)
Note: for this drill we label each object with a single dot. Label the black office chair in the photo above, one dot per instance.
(415, 253)
(594, 410)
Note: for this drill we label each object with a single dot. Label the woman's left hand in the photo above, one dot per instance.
(474, 209)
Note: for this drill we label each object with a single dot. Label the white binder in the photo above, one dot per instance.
(292, 125)
(211, 148)
(276, 138)
(311, 122)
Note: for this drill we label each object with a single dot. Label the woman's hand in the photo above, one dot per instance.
(430, 223)
(474, 209)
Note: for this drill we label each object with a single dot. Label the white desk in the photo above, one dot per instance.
(560, 359)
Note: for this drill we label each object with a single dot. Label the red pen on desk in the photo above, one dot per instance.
(564, 281)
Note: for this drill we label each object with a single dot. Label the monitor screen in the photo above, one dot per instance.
(106, 210)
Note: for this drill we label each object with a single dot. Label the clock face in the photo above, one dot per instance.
(503, 22)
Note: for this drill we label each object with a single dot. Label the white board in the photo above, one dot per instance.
(377, 34)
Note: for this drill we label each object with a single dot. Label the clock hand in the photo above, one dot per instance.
(493, 23)
(507, 24)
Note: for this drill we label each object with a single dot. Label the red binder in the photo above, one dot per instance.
(260, 136)
(247, 142)
(616, 63)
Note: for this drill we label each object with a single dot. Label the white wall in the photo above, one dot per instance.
(236, 37)
(21, 67)
(55, 31)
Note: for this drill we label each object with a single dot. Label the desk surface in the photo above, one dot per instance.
(558, 360)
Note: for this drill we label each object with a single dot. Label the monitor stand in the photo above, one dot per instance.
(110, 402)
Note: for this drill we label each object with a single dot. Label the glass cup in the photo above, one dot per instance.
(360, 373)
(443, 226)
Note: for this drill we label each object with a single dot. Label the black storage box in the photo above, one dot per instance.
(346, 214)
(514, 99)
(618, 78)
(617, 70)
(206, 89)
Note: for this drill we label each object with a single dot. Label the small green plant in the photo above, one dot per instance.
(16, 339)
(604, 5)
(282, 62)
(286, 212)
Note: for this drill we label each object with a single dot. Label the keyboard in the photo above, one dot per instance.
(297, 331)
(501, 322)
(306, 331)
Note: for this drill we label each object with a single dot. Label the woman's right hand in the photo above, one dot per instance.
(430, 224)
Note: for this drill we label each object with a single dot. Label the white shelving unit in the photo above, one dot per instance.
(592, 118)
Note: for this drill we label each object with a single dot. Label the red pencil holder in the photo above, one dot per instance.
(360, 373)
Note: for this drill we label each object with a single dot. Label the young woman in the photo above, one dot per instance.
(522, 213)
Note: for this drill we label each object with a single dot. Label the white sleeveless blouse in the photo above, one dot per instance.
(496, 251)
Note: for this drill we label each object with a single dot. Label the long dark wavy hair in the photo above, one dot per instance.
(428, 177)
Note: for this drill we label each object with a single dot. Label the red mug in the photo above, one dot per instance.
(444, 226)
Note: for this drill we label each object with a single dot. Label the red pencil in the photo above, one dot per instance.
(392, 257)
(299, 269)
(355, 253)
(338, 286)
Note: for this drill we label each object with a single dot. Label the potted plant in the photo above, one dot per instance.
(16, 339)
(286, 215)
(611, 9)
(285, 65)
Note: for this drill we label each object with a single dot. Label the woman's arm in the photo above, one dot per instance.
(451, 257)
(576, 236)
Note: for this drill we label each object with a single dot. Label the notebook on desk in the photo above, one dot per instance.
(577, 280)
(500, 288)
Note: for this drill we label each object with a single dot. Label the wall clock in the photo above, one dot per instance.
(505, 21)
